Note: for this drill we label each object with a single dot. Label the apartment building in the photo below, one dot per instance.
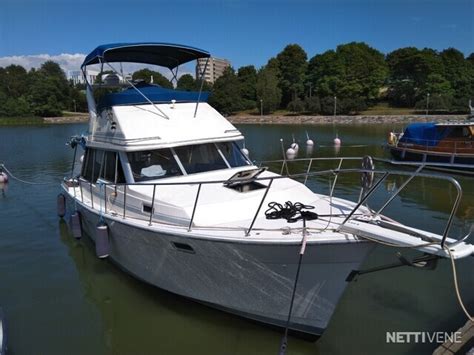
(215, 68)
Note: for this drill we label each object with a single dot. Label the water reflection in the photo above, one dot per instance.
(3, 188)
(141, 319)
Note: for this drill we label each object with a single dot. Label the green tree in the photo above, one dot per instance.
(147, 74)
(365, 71)
(402, 93)
(13, 91)
(187, 83)
(354, 73)
(460, 74)
(13, 81)
(292, 63)
(297, 105)
(325, 73)
(416, 67)
(49, 90)
(267, 88)
(312, 104)
(247, 77)
(226, 93)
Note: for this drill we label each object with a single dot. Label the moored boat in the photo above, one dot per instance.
(445, 145)
(166, 193)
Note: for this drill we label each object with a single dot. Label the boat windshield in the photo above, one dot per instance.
(200, 158)
(232, 154)
(191, 159)
(153, 164)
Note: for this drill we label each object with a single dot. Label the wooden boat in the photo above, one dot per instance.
(445, 145)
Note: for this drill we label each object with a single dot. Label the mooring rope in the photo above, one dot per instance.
(456, 285)
(10, 174)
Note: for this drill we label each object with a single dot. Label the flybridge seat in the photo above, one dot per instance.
(154, 93)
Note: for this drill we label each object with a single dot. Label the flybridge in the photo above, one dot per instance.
(147, 115)
(166, 55)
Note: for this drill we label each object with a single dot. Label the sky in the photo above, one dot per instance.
(246, 32)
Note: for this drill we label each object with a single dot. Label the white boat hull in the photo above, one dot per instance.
(253, 280)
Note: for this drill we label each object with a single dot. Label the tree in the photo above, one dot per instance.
(147, 75)
(354, 73)
(226, 93)
(460, 74)
(13, 80)
(292, 65)
(49, 91)
(414, 66)
(247, 77)
(267, 88)
(402, 93)
(13, 89)
(186, 82)
(365, 71)
(296, 105)
(411, 63)
(325, 73)
(312, 104)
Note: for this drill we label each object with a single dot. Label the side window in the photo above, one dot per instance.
(106, 165)
(153, 164)
(88, 164)
(113, 170)
(98, 165)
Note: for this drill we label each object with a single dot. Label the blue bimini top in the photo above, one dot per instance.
(427, 134)
(154, 93)
(167, 55)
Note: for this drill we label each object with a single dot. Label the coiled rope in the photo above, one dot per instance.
(292, 212)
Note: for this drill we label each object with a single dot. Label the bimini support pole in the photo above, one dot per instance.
(200, 89)
(142, 94)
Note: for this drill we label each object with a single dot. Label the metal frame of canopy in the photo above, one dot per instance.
(166, 55)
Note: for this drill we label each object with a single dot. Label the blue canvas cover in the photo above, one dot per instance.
(154, 93)
(427, 134)
(163, 54)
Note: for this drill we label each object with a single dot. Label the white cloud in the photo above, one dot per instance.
(69, 62)
(72, 62)
(66, 61)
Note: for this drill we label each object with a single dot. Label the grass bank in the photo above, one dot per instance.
(67, 117)
(19, 121)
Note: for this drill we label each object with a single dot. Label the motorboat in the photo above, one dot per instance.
(160, 184)
(447, 145)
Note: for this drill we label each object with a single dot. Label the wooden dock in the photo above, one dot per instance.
(465, 346)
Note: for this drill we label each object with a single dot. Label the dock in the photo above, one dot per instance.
(465, 346)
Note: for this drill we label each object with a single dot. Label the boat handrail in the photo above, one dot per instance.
(334, 172)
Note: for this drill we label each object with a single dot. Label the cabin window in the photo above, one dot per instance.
(232, 154)
(111, 168)
(101, 164)
(200, 158)
(86, 172)
(153, 164)
(459, 132)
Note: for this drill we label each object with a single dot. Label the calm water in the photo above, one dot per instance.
(59, 299)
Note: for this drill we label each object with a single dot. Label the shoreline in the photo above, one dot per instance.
(343, 119)
(277, 119)
(76, 118)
